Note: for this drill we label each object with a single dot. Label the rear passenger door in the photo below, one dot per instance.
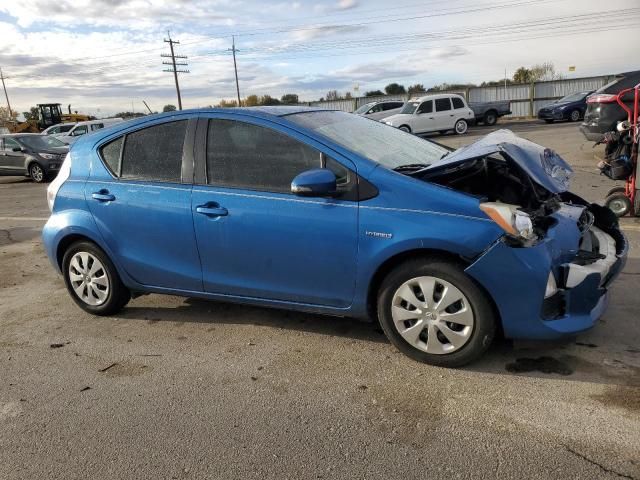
(257, 239)
(139, 193)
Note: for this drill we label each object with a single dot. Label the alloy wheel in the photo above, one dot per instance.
(461, 127)
(36, 172)
(88, 278)
(575, 116)
(432, 315)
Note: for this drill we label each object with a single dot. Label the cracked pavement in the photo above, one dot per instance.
(182, 388)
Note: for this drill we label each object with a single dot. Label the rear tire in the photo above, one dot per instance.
(461, 127)
(92, 280)
(451, 341)
(405, 128)
(574, 116)
(490, 118)
(36, 172)
(618, 203)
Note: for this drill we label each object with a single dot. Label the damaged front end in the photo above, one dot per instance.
(549, 274)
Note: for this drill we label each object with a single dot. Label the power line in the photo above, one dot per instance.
(174, 65)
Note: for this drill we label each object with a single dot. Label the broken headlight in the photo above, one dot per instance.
(513, 221)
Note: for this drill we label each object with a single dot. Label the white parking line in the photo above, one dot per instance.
(26, 219)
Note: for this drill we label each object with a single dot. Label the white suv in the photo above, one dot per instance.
(433, 113)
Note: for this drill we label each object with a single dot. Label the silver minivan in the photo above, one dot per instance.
(434, 113)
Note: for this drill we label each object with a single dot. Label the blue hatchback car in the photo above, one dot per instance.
(328, 212)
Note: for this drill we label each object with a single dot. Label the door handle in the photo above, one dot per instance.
(430, 118)
(212, 210)
(103, 196)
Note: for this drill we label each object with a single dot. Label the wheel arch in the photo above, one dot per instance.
(407, 127)
(397, 259)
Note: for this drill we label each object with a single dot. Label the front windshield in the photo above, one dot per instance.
(410, 108)
(376, 141)
(365, 107)
(574, 97)
(41, 142)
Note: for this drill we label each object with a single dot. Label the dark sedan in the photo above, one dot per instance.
(31, 154)
(571, 107)
(603, 112)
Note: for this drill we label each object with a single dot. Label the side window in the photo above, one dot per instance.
(457, 102)
(425, 107)
(443, 104)
(377, 108)
(154, 153)
(81, 130)
(10, 144)
(96, 126)
(111, 155)
(243, 155)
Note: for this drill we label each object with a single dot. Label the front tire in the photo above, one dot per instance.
(92, 280)
(461, 127)
(405, 128)
(434, 313)
(574, 116)
(36, 172)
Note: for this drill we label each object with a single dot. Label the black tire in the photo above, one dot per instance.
(461, 127)
(405, 128)
(618, 203)
(548, 120)
(574, 116)
(484, 327)
(490, 118)
(118, 294)
(36, 172)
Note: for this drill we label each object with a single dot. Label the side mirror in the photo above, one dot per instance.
(317, 182)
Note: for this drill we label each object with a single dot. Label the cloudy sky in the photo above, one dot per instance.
(103, 56)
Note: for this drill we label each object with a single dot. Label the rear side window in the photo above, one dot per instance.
(457, 102)
(443, 104)
(154, 153)
(242, 155)
(111, 155)
(96, 126)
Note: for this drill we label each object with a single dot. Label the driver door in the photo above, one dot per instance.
(256, 239)
(424, 119)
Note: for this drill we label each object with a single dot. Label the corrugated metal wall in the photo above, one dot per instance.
(525, 99)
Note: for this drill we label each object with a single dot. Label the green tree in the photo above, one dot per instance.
(269, 100)
(417, 88)
(290, 99)
(522, 75)
(394, 89)
(251, 101)
(169, 108)
(374, 93)
(32, 114)
(227, 103)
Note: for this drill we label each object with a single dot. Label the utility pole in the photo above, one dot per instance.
(235, 66)
(174, 65)
(5, 94)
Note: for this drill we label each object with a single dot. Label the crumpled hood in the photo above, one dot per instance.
(543, 165)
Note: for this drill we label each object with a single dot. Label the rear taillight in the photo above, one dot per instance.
(54, 186)
(602, 98)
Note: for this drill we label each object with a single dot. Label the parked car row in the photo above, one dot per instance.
(434, 113)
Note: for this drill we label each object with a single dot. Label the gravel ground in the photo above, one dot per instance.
(182, 388)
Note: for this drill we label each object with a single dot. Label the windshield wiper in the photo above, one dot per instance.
(410, 167)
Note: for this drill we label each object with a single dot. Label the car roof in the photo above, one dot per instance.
(434, 96)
